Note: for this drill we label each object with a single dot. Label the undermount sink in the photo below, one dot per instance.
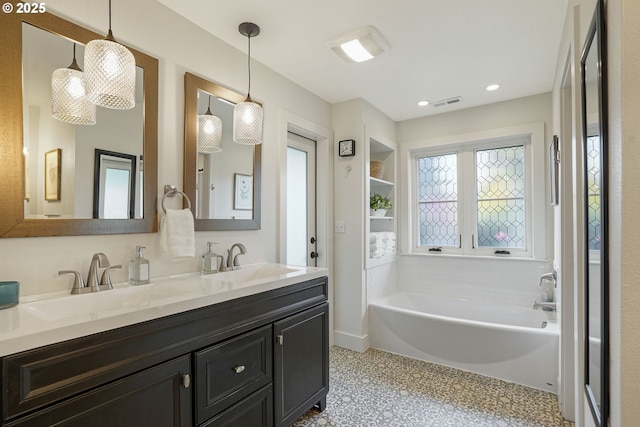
(251, 274)
(94, 304)
(159, 292)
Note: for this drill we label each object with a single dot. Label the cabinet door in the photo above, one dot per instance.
(159, 396)
(301, 363)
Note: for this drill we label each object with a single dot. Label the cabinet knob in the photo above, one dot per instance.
(238, 369)
(186, 380)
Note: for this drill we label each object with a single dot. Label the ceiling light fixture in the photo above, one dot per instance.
(111, 72)
(209, 132)
(493, 87)
(69, 102)
(359, 45)
(248, 115)
(423, 103)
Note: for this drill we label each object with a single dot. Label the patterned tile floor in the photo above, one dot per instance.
(376, 388)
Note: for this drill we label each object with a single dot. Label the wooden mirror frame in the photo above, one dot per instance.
(192, 84)
(12, 220)
(597, 37)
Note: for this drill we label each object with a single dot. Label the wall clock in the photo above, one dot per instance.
(346, 148)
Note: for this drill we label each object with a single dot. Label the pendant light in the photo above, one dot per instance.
(247, 115)
(209, 132)
(69, 102)
(111, 72)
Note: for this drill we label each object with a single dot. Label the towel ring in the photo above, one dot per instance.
(171, 193)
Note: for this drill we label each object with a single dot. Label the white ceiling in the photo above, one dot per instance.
(439, 48)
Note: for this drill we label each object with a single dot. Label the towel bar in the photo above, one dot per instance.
(171, 191)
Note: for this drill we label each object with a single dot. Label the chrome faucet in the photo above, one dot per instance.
(549, 276)
(98, 260)
(547, 294)
(232, 261)
(546, 306)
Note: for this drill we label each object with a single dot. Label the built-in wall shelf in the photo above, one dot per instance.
(375, 182)
(384, 151)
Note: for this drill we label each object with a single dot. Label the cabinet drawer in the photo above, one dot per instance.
(232, 370)
(254, 411)
(158, 397)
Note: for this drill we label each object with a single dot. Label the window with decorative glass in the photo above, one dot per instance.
(593, 192)
(474, 199)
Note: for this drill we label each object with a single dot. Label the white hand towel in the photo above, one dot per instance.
(177, 235)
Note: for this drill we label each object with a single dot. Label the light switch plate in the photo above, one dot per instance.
(340, 227)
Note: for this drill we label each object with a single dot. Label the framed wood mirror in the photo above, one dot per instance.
(224, 186)
(24, 42)
(595, 251)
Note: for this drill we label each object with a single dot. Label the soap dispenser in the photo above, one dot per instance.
(139, 268)
(209, 261)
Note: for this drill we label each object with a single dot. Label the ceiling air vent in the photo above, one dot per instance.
(447, 101)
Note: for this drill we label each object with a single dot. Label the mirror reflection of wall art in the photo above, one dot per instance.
(243, 199)
(52, 171)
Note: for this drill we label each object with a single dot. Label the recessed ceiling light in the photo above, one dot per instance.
(493, 87)
(423, 103)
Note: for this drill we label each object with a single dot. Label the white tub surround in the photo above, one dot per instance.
(51, 318)
(512, 281)
(511, 343)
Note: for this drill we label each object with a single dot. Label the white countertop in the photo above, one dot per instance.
(50, 318)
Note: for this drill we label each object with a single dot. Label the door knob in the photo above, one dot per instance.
(313, 240)
(313, 255)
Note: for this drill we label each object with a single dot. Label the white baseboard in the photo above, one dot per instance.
(351, 342)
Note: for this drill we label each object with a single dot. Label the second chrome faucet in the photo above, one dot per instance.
(232, 261)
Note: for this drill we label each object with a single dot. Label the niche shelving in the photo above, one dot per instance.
(384, 151)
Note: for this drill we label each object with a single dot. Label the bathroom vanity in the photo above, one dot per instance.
(235, 350)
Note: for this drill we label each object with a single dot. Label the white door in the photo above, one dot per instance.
(301, 201)
(115, 188)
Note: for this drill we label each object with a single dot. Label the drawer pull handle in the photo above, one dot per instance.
(238, 369)
(186, 380)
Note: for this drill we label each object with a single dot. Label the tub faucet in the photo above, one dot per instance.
(98, 260)
(549, 276)
(546, 306)
(232, 261)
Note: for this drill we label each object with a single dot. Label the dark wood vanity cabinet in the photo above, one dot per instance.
(301, 368)
(260, 360)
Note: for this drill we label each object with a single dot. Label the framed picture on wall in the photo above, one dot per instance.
(243, 192)
(52, 173)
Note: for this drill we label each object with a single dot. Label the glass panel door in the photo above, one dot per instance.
(301, 201)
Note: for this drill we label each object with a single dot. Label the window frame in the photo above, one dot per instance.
(536, 209)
